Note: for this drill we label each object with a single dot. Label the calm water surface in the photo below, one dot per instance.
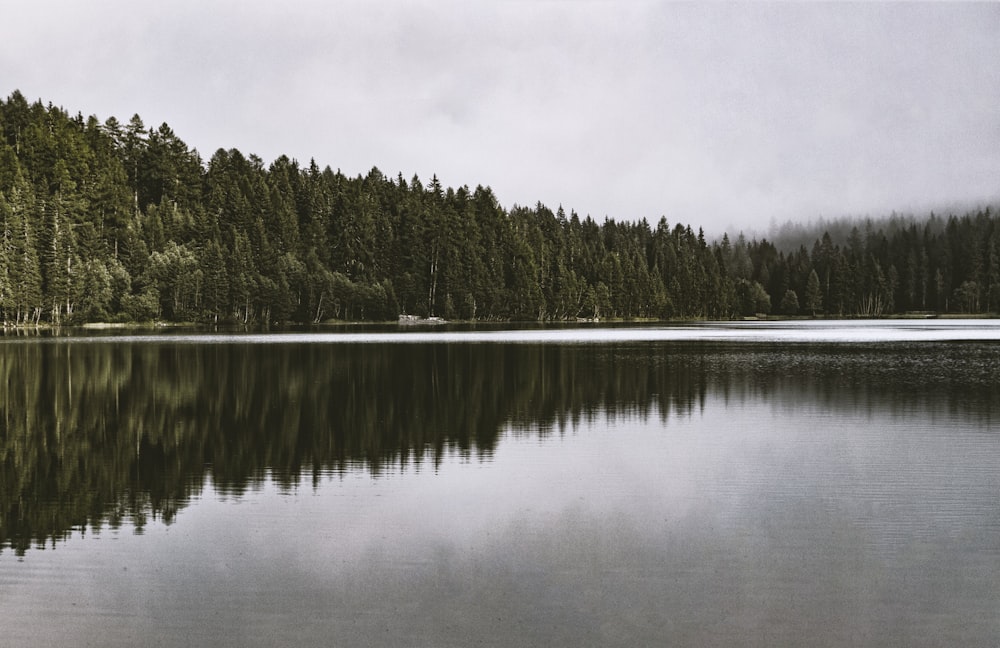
(757, 485)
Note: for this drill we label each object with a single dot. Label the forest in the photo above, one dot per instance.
(120, 222)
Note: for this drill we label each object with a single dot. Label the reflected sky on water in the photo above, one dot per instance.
(634, 492)
(796, 331)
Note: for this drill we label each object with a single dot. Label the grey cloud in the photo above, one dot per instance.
(710, 114)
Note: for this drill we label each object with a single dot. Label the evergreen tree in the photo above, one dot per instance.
(813, 294)
(23, 302)
(790, 303)
(116, 221)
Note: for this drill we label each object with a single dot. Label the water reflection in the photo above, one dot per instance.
(104, 434)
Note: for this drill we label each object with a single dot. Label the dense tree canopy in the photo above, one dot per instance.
(123, 222)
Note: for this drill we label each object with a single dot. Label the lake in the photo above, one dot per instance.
(753, 484)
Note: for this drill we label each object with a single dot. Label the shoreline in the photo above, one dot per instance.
(435, 322)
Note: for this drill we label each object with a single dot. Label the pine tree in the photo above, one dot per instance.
(790, 303)
(23, 270)
(813, 294)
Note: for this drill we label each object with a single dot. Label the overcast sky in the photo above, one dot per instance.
(725, 116)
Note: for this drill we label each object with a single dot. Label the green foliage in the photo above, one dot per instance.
(814, 298)
(790, 303)
(751, 298)
(119, 222)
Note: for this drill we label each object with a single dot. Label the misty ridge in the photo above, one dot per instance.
(116, 222)
(791, 235)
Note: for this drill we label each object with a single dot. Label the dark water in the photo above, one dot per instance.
(574, 490)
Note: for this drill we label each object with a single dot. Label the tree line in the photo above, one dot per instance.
(113, 221)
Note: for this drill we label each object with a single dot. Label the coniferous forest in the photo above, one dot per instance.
(120, 222)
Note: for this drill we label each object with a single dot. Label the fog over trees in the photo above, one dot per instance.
(122, 221)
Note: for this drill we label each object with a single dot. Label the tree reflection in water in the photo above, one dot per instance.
(103, 434)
